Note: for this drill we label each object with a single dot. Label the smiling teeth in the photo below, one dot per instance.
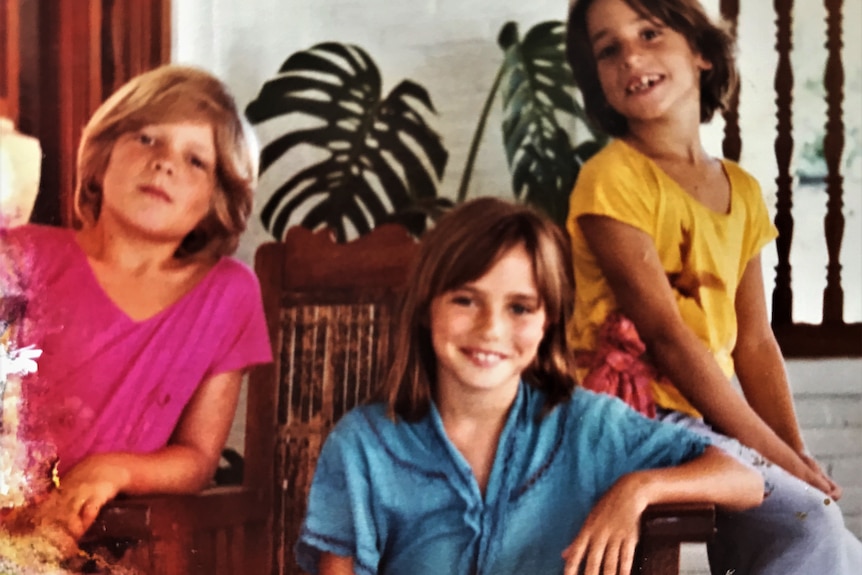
(642, 84)
(484, 357)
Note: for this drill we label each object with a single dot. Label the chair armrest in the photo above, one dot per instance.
(682, 522)
(148, 517)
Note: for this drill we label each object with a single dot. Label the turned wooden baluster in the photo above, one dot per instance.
(833, 146)
(782, 296)
(731, 146)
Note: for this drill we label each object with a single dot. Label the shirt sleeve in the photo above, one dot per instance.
(760, 229)
(339, 516)
(248, 342)
(611, 187)
(626, 441)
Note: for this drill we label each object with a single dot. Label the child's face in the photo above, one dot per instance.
(647, 70)
(487, 332)
(160, 180)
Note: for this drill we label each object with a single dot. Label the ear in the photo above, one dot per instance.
(702, 63)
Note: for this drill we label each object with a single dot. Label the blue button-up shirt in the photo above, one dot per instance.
(401, 499)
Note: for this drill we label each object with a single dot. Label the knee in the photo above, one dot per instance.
(818, 518)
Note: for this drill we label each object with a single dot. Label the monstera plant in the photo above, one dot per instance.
(536, 86)
(380, 160)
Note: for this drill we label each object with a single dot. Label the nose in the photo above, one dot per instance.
(630, 54)
(490, 322)
(163, 161)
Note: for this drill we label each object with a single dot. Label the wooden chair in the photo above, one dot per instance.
(331, 309)
(330, 313)
(221, 531)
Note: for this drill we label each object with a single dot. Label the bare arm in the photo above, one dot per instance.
(629, 261)
(335, 565)
(758, 361)
(608, 537)
(760, 368)
(186, 465)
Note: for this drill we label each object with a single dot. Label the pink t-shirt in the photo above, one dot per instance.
(106, 382)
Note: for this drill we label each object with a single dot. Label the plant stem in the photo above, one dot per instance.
(477, 137)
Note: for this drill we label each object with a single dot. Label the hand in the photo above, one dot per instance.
(823, 481)
(607, 540)
(83, 491)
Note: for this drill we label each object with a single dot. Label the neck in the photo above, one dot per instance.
(676, 138)
(134, 254)
(489, 411)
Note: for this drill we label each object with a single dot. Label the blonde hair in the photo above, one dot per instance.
(175, 93)
(461, 248)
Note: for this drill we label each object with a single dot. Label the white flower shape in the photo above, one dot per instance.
(18, 361)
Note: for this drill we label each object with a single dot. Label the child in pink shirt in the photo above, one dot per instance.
(145, 322)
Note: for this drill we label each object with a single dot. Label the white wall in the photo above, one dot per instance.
(449, 46)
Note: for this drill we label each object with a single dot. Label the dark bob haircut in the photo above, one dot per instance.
(712, 41)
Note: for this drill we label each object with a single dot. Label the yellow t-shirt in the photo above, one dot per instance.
(704, 253)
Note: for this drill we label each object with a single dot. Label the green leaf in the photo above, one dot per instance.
(380, 154)
(537, 92)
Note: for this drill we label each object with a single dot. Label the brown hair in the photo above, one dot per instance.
(461, 248)
(687, 17)
(171, 93)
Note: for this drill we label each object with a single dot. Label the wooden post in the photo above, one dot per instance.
(833, 146)
(732, 143)
(782, 297)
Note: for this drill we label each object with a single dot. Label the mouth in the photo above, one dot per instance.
(484, 358)
(642, 83)
(156, 192)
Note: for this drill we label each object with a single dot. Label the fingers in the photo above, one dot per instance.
(574, 554)
(824, 484)
(822, 481)
(71, 511)
(89, 512)
(608, 557)
(627, 555)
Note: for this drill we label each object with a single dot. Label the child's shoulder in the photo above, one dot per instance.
(236, 274)
(612, 153)
(739, 177)
(617, 160)
(34, 246)
(369, 428)
(38, 235)
(366, 418)
(601, 410)
(230, 266)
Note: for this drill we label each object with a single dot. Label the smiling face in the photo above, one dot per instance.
(160, 180)
(487, 332)
(647, 70)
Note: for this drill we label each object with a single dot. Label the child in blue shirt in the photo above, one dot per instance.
(479, 455)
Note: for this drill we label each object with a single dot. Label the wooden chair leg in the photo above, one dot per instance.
(664, 528)
(657, 558)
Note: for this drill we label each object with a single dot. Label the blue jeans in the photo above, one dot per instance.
(797, 530)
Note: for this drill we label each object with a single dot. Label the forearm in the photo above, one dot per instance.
(173, 469)
(763, 378)
(714, 477)
(188, 462)
(691, 367)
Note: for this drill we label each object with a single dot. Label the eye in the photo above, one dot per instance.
(197, 162)
(519, 308)
(146, 139)
(650, 33)
(606, 51)
(462, 300)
